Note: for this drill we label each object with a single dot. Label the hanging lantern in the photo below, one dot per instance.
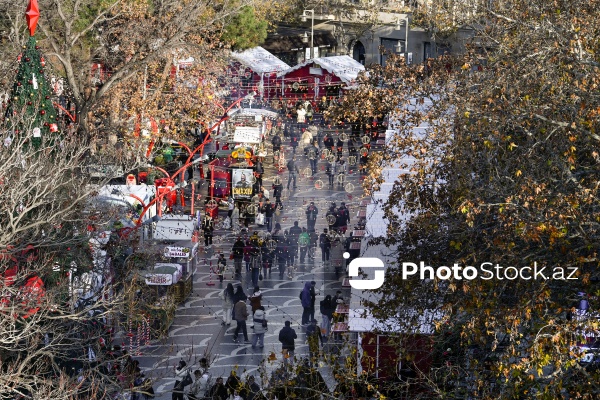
(43, 62)
(53, 128)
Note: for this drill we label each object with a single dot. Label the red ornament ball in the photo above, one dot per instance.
(41, 71)
(29, 103)
(30, 81)
(27, 59)
(47, 97)
(43, 112)
(37, 47)
(18, 83)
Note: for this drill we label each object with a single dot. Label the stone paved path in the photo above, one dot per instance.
(197, 330)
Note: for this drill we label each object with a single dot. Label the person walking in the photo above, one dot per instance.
(208, 228)
(295, 232)
(293, 172)
(260, 327)
(287, 337)
(259, 171)
(330, 172)
(340, 170)
(303, 243)
(313, 298)
(314, 339)
(240, 314)
(227, 304)
(311, 216)
(269, 211)
(255, 261)
(276, 142)
(238, 255)
(326, 308)
(312, 152)
(255, 299)
(340, 146)
(277, 192)
(230, 208)
(221, 267)
(305, 301)
(328, 142)
(325, 245)
(281, 255)
(239, 294)
(343, 218)
(294, 139)
(277, 233)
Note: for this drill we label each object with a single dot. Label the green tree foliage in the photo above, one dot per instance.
(504, 169)
(245, 30)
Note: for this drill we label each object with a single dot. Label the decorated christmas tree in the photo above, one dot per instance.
(30, 110)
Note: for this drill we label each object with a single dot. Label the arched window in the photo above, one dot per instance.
(358, 52)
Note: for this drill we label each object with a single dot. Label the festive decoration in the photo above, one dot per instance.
(30, 95)
(32, 14)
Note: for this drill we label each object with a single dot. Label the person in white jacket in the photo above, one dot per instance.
(259, 329)
(306, 139)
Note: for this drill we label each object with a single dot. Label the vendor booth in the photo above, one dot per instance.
(173, 244)
(254, 70)
(319, 77)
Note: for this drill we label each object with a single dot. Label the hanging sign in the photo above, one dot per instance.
(181, 252)
(240, 183)
(246, 134)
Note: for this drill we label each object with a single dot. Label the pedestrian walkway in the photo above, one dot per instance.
(197, 331)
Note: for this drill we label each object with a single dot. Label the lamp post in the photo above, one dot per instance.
(303, 17)
(405, 35)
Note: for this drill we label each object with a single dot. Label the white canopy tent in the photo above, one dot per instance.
(261, 62)
(344, 67)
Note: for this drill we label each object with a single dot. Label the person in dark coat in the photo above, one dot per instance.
(311, 216)
(276, 142)
(328, 142)
(218, 391)
(239, 294)
(327, 308)
(277, 192)
(340, 146)
(281, 255)
(238, 255)
(295, 232)
(313, 298)
(287, 337)
(325, 245)
(343, 218)
(305, 299)
(269, 210)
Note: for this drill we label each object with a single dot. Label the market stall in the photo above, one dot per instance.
(173, 244)
(319, 77)
(254, 70)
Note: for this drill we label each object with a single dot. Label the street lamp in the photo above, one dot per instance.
(398, 46)
(303, 17)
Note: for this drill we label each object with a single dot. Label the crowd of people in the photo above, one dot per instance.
(262, 245)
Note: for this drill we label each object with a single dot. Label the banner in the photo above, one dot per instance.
(241, 184)
(246, 134)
